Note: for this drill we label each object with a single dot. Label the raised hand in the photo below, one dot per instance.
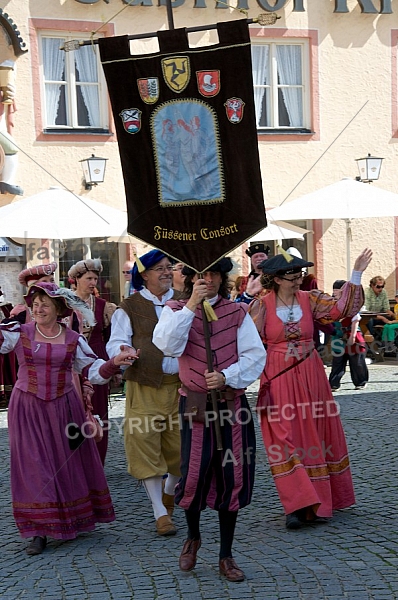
(363, 260)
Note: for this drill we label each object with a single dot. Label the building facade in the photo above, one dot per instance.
(325, 85)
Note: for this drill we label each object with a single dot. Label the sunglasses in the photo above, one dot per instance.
(379, 287)
(125, 272)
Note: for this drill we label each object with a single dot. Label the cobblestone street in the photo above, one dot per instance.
(353, 556)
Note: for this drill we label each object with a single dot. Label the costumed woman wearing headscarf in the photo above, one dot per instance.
(58, 484)
(85, 274)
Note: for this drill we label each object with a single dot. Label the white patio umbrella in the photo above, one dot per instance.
(57, 214)
(279, 230)
(347, 199)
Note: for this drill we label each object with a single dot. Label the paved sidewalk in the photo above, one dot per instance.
(354, 556)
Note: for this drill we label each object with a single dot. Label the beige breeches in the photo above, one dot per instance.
(151, 430)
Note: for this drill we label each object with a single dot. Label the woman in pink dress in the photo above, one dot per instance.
(299, 418)
(58, 484)
(85, 274)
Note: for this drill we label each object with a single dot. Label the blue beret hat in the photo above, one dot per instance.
(148, 260)
(279, 265)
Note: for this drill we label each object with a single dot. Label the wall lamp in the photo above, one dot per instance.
(93, 171)
(369, 168)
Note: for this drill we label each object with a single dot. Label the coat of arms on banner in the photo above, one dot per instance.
(149, 89)
(208, 83)
(176, 72)
(234, 108)
(131, 118)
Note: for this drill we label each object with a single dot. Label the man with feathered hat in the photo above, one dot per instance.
(151, 434)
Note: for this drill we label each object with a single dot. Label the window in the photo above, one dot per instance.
(74, 88)
(280, 73)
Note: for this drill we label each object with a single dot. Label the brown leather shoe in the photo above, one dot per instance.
(165, 526)
(168, 503)
(36, 546)
(188, 554)
(230, 569)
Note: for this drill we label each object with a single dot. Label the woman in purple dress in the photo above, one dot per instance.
(58, 484)
(85, 273)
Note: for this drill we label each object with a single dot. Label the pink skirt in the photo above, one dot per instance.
(56, 491)
(304, 438)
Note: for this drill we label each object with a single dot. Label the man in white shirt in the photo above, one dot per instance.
(151, 430)
(221, 479)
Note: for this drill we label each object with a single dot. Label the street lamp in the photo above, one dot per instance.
(369, 168)
(93, 171)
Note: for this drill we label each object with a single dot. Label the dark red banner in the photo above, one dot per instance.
(186, 129)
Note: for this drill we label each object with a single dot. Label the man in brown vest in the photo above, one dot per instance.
(151, 429)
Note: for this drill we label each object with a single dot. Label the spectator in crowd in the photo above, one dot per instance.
(348, 345)
(376, 300)
(390, 328)
(128, 286)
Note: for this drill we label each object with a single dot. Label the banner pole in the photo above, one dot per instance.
(213, 393)
(170, 18)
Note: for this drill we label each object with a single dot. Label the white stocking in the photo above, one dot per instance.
(170, 484)
(153, 487)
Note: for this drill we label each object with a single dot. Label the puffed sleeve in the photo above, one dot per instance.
(9, 336)
(99, 371)
(257, 311)
(326, 309)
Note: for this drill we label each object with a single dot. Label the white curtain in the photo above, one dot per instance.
(54, 66)
(260, 76)
(289, 71)
(86, 64)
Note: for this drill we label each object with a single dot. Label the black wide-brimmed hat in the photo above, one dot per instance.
(338, 284)
(254, 248)
(278, 265)
(223, 266)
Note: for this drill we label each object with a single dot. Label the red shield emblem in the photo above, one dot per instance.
(234, 108)
(131, 118)
(208, 82)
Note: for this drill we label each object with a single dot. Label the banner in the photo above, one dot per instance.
(186, 128)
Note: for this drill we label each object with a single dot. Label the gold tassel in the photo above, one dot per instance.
(209, 312)
(288, 257)
(139, 264)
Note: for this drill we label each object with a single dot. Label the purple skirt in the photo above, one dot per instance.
(56, 491)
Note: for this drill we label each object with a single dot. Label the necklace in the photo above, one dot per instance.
(290, 317)
(49, 337)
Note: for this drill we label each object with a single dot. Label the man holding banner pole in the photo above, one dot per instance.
(220, 479)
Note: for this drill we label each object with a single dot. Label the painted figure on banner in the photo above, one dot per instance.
(185, 135)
